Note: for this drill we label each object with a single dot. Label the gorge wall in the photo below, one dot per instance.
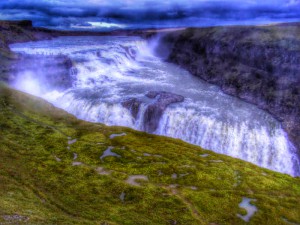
(257, 64)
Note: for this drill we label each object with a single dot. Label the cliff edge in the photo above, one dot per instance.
(259, 64)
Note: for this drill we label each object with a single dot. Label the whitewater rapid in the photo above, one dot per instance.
(106, 71)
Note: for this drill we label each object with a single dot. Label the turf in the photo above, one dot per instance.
(42, 181)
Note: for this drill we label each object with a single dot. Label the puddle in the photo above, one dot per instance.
(204, 155)
(122, 196)
(132, 179)
(77, 163)
(251, 209)
(70, 142)
(102, 171)
(75, 156)
(116, 135)
(108, 152)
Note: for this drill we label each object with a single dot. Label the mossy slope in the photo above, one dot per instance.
(40, 183)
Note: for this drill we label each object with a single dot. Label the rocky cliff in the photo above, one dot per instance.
(257, 64)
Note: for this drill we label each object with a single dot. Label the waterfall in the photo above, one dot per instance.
(111, 77)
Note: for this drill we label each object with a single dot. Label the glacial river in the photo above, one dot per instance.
(110, 70)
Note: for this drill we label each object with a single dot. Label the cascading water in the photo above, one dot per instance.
(108, 71)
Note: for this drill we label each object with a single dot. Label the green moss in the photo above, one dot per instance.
(40, 183)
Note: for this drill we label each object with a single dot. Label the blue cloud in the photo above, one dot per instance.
(80, 14)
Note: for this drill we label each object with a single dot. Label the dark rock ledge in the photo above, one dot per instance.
(154, 110)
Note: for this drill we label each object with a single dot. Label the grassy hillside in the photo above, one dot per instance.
(53, 171)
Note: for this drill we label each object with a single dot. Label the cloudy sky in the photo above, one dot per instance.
(116, 14)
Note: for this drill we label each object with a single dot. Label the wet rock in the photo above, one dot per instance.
(155, 110)
(133, 105)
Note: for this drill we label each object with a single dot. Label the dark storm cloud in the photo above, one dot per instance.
(79, 14)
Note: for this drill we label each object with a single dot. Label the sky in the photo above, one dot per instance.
(132, 14)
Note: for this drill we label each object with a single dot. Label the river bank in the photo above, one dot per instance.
(258, 64)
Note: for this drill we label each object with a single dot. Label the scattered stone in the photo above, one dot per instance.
(173, 222)
(237, 178)
(194, 188)
(102, 171)
(183, 175)
(15, 218)
(174, 176)
(204, 155)
(70, 142)
(173, 185)
(132, 179)
(77, 163)
(75, 156)
(57, 159)
(289, 222)
(216, 161)
(122, 196)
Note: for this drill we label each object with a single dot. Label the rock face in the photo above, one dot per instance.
(257, 64)
(154, 110)
(133, 105)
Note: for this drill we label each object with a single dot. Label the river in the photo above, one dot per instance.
(107, 71)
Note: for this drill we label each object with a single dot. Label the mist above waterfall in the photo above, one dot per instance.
(107, 72)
